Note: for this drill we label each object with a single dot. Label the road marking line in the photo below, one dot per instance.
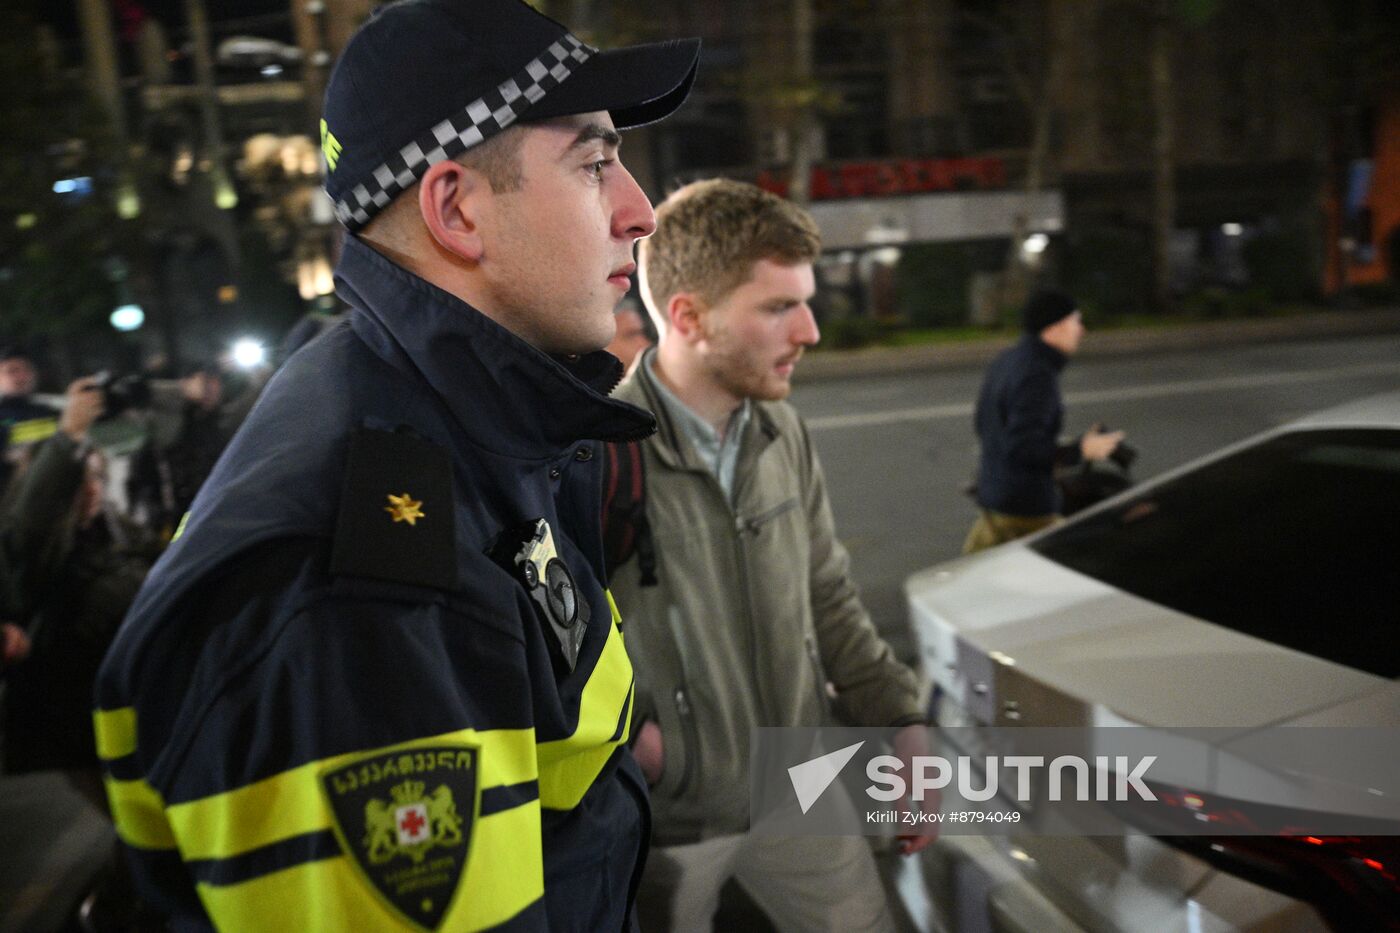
(1130, 393)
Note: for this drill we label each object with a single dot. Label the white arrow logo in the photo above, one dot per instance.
(811, 778)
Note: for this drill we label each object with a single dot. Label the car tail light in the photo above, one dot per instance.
(1353, 881)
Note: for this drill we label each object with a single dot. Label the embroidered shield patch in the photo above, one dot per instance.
(405, 819)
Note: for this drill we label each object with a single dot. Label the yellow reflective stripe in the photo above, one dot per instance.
(139, 814)
(569, 766)
(504, 875)
(36, 429)
(116, 732)
(292, 803)
(612, 606)
(563, 784)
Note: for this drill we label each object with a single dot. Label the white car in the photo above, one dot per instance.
(1256, 587)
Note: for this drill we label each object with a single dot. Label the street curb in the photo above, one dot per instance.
(874, 361)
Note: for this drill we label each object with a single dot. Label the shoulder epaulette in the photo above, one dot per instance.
(396, 518)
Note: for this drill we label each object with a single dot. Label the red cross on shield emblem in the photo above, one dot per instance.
(413, 824)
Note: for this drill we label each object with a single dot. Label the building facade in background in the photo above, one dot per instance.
(1230, 155)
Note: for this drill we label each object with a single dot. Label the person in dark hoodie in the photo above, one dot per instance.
(1018, 420)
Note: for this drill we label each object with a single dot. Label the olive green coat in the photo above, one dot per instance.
(754, 614)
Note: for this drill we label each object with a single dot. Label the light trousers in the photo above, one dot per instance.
(803, 883)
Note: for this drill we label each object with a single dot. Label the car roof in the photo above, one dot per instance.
(1375, 411)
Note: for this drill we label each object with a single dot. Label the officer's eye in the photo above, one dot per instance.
(596, 168)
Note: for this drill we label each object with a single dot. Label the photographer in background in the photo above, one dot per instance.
(75, 567)
(23, 421)
(186, 432)
(1018, 419)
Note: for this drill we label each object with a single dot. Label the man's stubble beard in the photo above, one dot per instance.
(738, 373)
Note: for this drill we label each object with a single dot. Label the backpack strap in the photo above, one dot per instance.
(626, 530)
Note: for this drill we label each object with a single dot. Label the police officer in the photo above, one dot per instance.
(376, 683)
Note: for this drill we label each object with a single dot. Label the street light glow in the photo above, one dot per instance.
(128, 317)
(1035, 243)
(80, 185)
(248, 353)
(1231, 229)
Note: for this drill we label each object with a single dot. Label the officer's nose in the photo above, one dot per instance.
(632, 216)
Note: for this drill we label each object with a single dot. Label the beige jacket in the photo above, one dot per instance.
(754, 613)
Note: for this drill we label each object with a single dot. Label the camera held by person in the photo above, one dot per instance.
(1092, 480)
(122, 393)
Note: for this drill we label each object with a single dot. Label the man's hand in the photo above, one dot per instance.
(14, 644)
(910, 743)
(84, 406)
(649, 752)
(1097, 445)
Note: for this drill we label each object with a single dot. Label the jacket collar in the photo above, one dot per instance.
(1044, 351)
(671, 444)
(508, 396)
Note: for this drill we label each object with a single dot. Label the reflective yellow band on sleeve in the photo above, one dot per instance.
(504, 875)
(568, 767)
(116, 732)
(139, 814)
(292, 803)
(612, 606)
(563, 784)
(33, 431)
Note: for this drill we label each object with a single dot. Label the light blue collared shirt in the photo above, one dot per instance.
(720, 455)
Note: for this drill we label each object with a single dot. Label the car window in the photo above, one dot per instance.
(1295, 540)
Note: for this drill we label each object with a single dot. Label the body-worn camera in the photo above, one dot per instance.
(120, 393)
(527, 551)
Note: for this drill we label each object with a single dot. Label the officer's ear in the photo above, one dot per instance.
(450, 198)
(683, 313)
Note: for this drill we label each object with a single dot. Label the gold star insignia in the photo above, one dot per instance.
(404, 509)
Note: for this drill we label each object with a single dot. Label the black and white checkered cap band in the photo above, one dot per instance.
(478, 121)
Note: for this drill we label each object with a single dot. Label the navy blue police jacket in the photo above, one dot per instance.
(1018, 419)
(333, 706)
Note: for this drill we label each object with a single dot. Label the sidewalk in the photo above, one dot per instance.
(875, 361)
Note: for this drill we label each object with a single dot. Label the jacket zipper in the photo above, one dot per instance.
(751, 526)
(690, 732)
(755, 524)
(691, 739)
(815, 657)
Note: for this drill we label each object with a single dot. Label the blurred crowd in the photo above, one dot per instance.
(94, 484)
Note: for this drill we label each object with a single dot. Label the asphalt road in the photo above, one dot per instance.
(898, 449)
